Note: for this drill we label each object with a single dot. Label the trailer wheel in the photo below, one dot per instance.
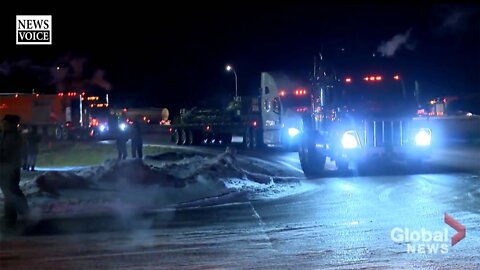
(197, 138)
(227, 139)
(175, 137)
(247, 143)
(311, 160)
(183, 137)
(58, 133)
(190, 138)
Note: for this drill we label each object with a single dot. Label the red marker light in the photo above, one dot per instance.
(304, 92)
(396, 77)
(254, 123)
(366, 79)
(378, 78)
(372, 78)
(348, 80)
(296, 92)
(282, 93)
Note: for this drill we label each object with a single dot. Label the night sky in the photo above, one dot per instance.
(175, 56)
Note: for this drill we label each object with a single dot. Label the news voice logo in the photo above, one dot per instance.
(34, 29)
(424, 241)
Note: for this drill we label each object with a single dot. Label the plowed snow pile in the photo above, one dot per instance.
(165, 181)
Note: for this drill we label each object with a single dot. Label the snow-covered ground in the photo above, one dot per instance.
(169, 180)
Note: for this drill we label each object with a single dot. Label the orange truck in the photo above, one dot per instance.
(60, 116)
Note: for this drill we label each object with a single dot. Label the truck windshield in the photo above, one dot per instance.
(295, 102)
(100, 112)
(383, 96)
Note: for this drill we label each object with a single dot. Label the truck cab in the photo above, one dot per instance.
(283, 102)
(359, 117)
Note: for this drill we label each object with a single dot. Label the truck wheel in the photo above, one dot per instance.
(254, 139)
(190, 138)
(227, 139)
(415, 165)
(197, 138)
(59, 133)
(183, 137)
(247, 143)
(342, 166)
(311, 160)
(176, 137)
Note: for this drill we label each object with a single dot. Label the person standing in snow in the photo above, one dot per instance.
(33, 143)
(122, 138)
(10, 164)
(137, 140)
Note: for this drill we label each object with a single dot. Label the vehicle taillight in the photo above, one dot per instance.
(302, 109)
(372, 78)
(348, 80)
(254, 123)
(282, 93)
(300, 92)
(396, 77)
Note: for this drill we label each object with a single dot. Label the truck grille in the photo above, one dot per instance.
(384, 133)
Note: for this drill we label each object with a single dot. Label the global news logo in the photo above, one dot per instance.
(424, 241)
(34, 29)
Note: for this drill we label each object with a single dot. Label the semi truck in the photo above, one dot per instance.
(271, 118)
(360, 114)
(61, 116)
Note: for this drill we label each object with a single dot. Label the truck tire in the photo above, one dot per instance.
(342, 166)
(247, 137)
(59, 133)
(183, 137)
(197, 138)
(176, 137)
(190, 138)
(311, 160)
(226, 139)
(254, 139)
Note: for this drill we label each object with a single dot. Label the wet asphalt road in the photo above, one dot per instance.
(341, 223)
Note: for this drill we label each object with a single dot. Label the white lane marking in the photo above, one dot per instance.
(262, 226)
(290, 166)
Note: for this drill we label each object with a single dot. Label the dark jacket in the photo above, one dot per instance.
(11, 147)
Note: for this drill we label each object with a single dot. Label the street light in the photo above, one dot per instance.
(230, 68)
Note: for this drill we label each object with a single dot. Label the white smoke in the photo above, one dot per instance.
(71, 74)
(390, 47)
(455, 19)
(6, 67)
(67, 73)
(99, 79)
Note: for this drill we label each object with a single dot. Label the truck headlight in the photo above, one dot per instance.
(350, 140)
(423, 137)
(122, 126)
(102, 128)
(292, 132)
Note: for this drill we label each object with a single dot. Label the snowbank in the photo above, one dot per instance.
(163, 181)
